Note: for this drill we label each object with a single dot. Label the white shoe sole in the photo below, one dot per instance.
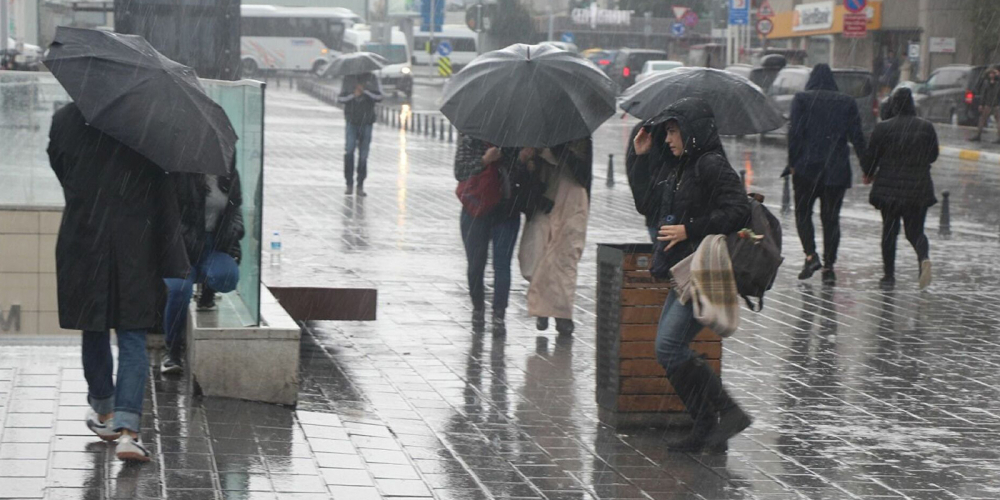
(925, 274)
(102, 431)
(131, 452)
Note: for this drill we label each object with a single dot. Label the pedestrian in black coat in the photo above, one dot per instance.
(822, 121)
(645, 177)
(898, 160)
(358, 94)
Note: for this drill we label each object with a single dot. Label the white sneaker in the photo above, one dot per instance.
(925, 273)
(130, 448)
(103, 430)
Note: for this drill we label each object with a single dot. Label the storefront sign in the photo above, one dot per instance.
(942, 45)
(813, 17)
(855, 25)
(594, 16)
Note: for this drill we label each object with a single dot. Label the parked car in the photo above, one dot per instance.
(951, 95)
(628, 63)
(653, 67)
(857, 83)
(602, 58)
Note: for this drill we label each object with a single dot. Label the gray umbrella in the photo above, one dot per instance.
(156, 106)
(740, 106)
(355, 63)
(529, 96)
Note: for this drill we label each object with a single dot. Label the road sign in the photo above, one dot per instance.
(855, 25)
(425, 14)
(444, 48)
(568, 37)
(855, 6)
(914, 51)
(690, 19)
(679, 11)
(765, 9)
(765, 26)
(677, 29)
(444, 66)
(739, 12)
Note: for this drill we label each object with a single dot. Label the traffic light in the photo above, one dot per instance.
(478, 16)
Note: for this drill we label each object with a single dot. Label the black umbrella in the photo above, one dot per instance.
(152, 104)
(529, 96)
(740, 106)
(355, 63)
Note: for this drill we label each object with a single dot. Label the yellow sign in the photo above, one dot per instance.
(444, 66)
(820, 21)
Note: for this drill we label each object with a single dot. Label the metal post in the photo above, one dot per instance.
(743, 177)
(451, 138)
(418, 122)
(944, 227)
(786, 196)
(611, 171)
(393, 124)
(441, 128)
(4, 24)
(427, 125)
(434, 128)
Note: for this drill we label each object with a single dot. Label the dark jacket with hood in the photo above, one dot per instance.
(700, 190)
(360, 110)
(120, 232)
(645, 176)
(822, 121)
(191, 192)
(899, 157)
(989, 90)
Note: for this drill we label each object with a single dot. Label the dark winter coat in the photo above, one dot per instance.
(360, 110)
(899, 157)
(645, 177)
(990, 91)
(521, 191)
(701, 189)
(822, 121)
(120, 233)
(191, 192)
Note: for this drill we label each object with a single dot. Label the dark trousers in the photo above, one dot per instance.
(477, 233)
(359, 137)
(913, 225)
(807, 191)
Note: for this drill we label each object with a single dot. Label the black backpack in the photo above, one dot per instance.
(755, 252)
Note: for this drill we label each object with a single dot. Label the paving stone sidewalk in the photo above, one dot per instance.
(857, 393)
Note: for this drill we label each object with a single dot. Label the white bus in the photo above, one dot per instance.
(463, 45)
(397, 75)
(291, 38)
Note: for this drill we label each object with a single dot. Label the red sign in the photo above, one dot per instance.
(690, 19)
(855, 25)
(765, 26)
(765, 9)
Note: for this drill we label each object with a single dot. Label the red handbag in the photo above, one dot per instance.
(481, 193)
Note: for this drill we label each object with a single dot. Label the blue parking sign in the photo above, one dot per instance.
(568, 37)
(677, 29)
(739, 12)
(444, 48)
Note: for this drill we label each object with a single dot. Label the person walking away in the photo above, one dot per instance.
(212, 228)
(822, 121)
(119, 238)
(498, 226)
(889, 74)
(899, 158)
(645, 178)
(358, 94)
(989, 89)
(553, 242)
(702, 196)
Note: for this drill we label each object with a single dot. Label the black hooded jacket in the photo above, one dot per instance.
(700, 189)
(899, 157)
(822, 121)
(645, 173)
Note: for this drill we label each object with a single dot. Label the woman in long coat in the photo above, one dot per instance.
(553, 241)
(899, 159)
(119, 238)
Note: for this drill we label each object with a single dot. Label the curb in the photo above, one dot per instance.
(971, 155)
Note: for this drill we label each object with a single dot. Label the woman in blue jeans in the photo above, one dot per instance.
(701, 195)
(212, 227)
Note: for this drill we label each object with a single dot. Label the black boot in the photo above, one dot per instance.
(362, 175)
(542, 324)
(688, 383)
(810, 267)
(565, 326)
(349, 172)
(732, 418)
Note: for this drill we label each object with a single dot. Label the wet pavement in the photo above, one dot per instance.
(857, 393)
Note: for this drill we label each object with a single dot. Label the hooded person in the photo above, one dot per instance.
(822, 121)
(700, 195)
(358, 94)
(898, 161)
(645, 176)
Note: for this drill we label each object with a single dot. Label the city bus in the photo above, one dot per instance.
(275, 38)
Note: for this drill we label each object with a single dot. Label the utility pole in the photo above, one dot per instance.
(430, 48)
(4, 25)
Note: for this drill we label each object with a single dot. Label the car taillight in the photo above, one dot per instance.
(626, 72)
(969, 96)
(875, 110)
(604, 62)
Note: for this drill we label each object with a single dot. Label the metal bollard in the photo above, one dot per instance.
(451, 138)
(434, 128)
(441, 128)
(393, 124)
(419, 124)
(944, 227)
(611, 171)
(743, 177)
(427, 125)
(786, 196)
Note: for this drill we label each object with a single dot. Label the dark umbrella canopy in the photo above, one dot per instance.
(154, 105)
(529, 96)
(740, 107)
(355, 63)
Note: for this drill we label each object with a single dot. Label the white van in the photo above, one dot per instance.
(464, 45)
(397, 76)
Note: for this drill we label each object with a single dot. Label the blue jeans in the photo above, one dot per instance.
(103, 394)
(218, 270)
(674, 333)
(477, 233)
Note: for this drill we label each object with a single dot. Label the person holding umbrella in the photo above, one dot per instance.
(702, 196)
(120, 234)
(359, 92)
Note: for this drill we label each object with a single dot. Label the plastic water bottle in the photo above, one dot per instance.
(275, 249)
